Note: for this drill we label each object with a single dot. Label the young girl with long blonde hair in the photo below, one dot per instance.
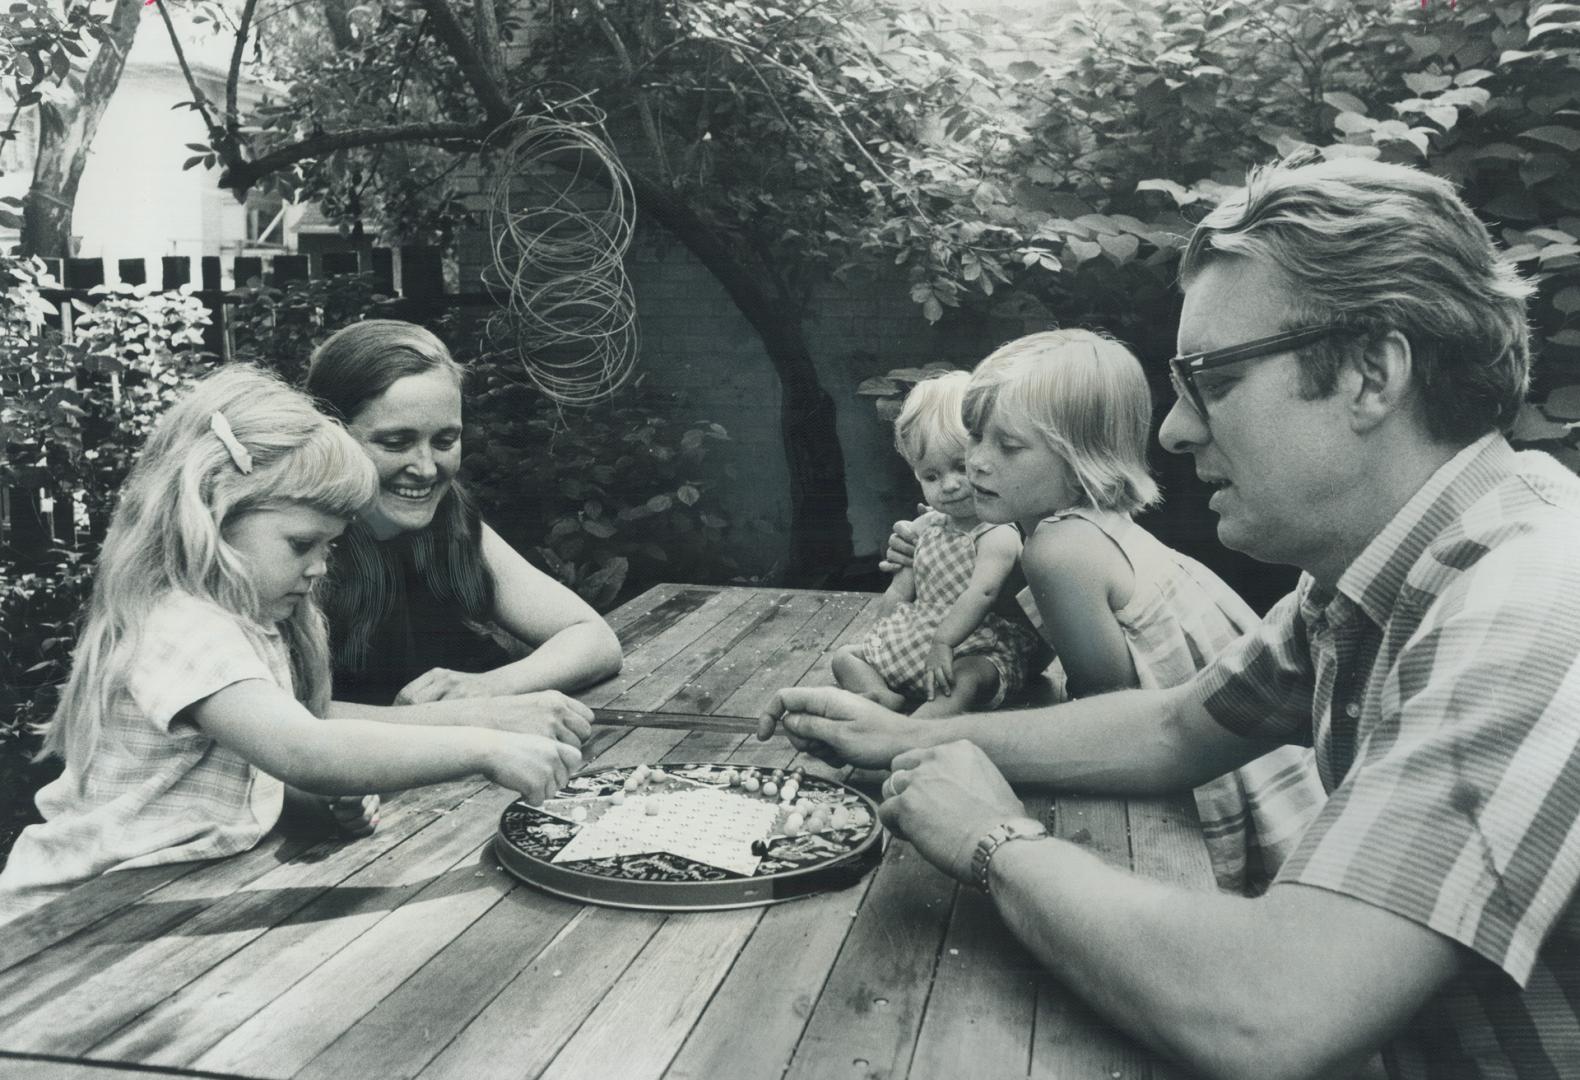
(202, 670)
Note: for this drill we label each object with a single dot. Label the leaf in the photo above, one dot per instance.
(1532, 426)
(1500, 150)
(1569, 339)
(191, 161)
(932, 309)
(1568, 138)
(688, 494)
(1025, 69)
(1084, 250)
(1120, 248)
(1563, 403)
(878, 386)
(1181, 195)
(1350, 123)
(659, 503)
(1568, 301)
(1423, 83)
(1345, 102)
(601, 529)
(10, 220)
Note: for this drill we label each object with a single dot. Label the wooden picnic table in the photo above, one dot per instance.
(412, 954)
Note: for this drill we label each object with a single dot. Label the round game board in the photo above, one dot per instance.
(693, 835)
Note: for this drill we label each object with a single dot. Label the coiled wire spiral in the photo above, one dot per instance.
(561, 213)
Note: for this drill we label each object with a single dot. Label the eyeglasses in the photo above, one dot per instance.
(1184, 368)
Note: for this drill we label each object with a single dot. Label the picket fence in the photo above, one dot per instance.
(36, 523)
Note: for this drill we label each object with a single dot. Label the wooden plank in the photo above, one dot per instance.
(299, 1025)
(1072, 1042)
(980, 1016)
(747, 655)
(680, 967)
(688, 663)
(647, 657)
(311, 978)
(642, 746)
(38, 981)
(410, 1027)
(14, 1067)
(822, 672)
(523, 1028)
(791, 663)
(174, 271)
(865, 1022)
(1166, 842)
(639, 625)
(751, 1028)
(295, 924)
(1098, 825)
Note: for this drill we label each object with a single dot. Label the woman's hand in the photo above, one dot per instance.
(938, 676)
(530, 765)
(440, 684)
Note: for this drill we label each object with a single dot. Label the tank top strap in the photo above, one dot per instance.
(1129, 539)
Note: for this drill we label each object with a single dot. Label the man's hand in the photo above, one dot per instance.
(901, 550)
(943, 799)
(939, 674)
(837, 726)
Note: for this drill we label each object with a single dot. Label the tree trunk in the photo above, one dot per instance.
(820, 540)
(65, 134)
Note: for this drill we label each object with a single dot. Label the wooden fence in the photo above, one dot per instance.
(35, 522)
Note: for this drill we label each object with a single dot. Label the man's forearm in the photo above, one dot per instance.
(1124, 743)
(1234, 987)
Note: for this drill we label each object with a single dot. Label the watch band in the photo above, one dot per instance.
(1023, 828)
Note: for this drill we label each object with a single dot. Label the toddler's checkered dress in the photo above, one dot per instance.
(898, 645)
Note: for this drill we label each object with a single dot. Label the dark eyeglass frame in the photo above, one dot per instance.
(1184, 368)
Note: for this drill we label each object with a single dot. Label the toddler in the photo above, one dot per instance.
(939, 642)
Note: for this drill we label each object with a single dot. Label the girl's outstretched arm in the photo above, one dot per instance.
(274, 732)
(1079, 578)
(573, 647)
(997, 550)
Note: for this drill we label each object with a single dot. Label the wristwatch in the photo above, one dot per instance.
(1021, 828)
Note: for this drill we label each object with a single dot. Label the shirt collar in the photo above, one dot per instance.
(1372, 582)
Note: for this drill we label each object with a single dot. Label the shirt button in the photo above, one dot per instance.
(1352, 710)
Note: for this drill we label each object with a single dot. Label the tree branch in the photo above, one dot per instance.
(181, 58)
(644, 109)
(232, 118)
(486, 30)
(240, 175)
(449, 31)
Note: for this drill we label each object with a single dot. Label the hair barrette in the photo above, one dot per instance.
(238, 453)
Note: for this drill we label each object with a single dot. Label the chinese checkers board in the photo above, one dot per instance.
(689, 836)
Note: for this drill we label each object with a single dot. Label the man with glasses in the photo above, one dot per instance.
(1351, 349)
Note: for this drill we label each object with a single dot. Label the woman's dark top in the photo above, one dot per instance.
(401, 607)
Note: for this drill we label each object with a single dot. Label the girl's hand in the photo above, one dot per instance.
(548, 713)
(352, 816)
(901, 550)
(939, 675)
(530, 765)
(355, 815)
(439, 684)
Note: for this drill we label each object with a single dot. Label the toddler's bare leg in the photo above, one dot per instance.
(855, 674)
(976, 681)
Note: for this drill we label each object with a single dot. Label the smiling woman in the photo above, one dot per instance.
(421, 584)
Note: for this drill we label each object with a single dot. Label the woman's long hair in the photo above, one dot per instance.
(354, 366)
(167, 535)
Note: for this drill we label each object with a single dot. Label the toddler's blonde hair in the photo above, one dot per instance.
(931, 417)
(1083, 394)
(166, 535)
